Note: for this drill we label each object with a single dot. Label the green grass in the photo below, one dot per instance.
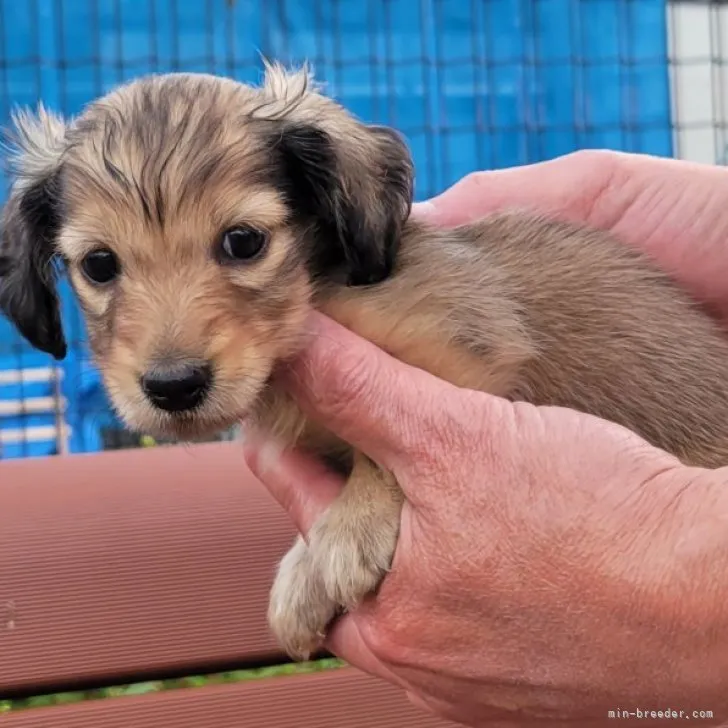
(155, 686)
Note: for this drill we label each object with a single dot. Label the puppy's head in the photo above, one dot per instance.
(195, 217)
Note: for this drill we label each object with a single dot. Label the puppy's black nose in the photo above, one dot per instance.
(177, 387)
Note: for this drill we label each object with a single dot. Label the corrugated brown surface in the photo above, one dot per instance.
(342, 699)
(157, 559)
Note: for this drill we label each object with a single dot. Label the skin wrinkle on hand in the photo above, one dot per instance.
(558, 567)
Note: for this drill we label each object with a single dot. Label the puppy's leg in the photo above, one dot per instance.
(350, 550)
(353, 543)
(299, 609)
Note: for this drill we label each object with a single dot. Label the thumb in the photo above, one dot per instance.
(379, 405)
(302, 485)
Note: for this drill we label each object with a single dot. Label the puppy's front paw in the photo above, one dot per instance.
(299, 609)
(352, 556)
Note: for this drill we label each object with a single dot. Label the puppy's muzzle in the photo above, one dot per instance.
(177, 386)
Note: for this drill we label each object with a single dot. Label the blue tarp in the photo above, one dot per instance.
(473, 84)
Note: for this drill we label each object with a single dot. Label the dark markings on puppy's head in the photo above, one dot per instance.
(357, 199)
(30, 225)
(196, 217)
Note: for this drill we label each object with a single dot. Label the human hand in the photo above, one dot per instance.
(551, 566)
(538, 577)
(673, 210)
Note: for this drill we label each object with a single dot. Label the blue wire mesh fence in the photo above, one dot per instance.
(473, 84)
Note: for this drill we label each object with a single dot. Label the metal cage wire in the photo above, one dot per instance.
(473, 84)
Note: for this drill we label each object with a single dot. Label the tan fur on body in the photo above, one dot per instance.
(515, 305)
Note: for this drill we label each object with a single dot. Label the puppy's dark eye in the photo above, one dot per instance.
(100, 266)
(242, 243)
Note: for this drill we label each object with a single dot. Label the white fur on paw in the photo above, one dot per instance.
(299, 609)
(352, 562)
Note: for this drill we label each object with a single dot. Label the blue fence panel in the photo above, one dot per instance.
(473, 84)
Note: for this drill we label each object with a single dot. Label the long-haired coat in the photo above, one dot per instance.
(200, 220)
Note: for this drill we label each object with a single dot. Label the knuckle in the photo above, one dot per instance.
(474, 180)
(440, 429)
(455, 433)
(591, 157)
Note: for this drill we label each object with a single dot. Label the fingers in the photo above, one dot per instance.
(671, 209)
(569, 187)
(303, 486)
(376, 403)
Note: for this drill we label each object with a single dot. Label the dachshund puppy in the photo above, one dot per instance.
(200, 220)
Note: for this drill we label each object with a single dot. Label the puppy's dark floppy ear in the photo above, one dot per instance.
(355, 189)
(30, 225)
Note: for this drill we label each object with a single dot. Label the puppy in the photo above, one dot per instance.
(200, 220)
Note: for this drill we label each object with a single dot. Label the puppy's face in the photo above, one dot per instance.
(195, 217)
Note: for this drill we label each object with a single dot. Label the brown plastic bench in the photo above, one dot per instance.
(146, 564)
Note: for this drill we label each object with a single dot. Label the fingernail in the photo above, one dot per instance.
(247, 431)
(424, 209)
(261, 452)
(263, 455)
(242, 434)
(269, 456)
